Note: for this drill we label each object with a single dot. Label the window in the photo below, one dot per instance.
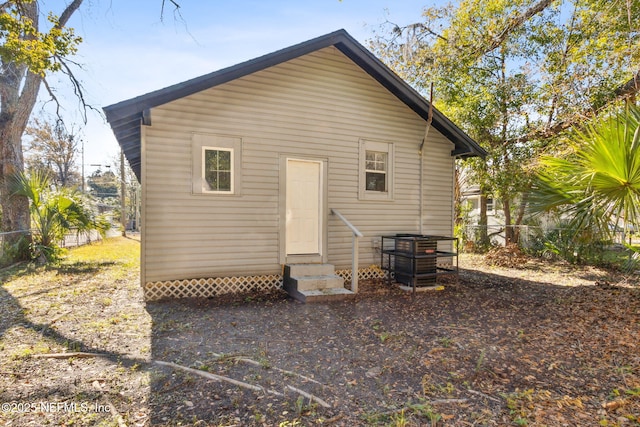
(216, 164)
(217, 170)
(376, 170)
(490, 204)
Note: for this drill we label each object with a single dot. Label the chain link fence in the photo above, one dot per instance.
(72, 239)
(8, 237)
(527, 235)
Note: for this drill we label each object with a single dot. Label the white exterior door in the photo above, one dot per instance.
(303, 207)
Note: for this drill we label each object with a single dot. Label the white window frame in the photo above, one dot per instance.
(491, 204)
(201, 142)
(231, 171)
(378, 147)
(376, 171)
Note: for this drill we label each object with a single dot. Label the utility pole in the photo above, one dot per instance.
(123, 215)
(82, 140)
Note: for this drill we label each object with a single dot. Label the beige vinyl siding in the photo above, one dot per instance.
(318, 106)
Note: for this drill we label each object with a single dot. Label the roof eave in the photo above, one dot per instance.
(132, 111)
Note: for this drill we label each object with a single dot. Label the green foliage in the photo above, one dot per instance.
(632, 263)
(462, 221)
(566, 243)
(28, 50)
(53, 151)
(596, 182)
(17, 249)
(54, 213)
(22, 43)
(103, 185)
(514, 74)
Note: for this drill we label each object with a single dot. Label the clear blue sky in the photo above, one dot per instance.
(127, 51)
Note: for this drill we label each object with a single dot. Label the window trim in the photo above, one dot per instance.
(231, 170)
(491, 204)
(379, 147)
(203, 141)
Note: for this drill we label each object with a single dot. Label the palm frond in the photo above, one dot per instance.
(599, 184)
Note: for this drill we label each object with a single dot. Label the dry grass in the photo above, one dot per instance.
(534, 345)
(90, 302)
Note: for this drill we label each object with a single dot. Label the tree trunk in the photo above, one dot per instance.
(508, 227)
(483, 223)
(15, 210)
(15, 109)
(18, 94)
(520, 215)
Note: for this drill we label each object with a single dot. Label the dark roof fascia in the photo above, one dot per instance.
(198, 84)
(136, 110)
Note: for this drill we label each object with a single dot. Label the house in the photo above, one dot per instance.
(470, 201)
(254, 167)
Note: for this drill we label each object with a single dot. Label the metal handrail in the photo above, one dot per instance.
(356, 234)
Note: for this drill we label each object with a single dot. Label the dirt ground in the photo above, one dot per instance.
(539, 345)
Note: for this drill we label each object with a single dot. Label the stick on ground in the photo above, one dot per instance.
(77, 354)
(256, 363)
(310, 396)
(217, 377)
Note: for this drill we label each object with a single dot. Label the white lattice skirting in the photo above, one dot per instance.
(367, 273)
(209, 287)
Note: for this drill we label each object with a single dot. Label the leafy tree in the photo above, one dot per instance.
(52, 150)
(514, 74)
(103, 185)
(133, 194)
(54, 213)
(596, 181)
(27, 52)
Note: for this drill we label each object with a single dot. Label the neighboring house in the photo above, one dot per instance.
(470, 200)
(242, 168)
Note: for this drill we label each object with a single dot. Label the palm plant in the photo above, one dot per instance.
(596, 184)
(53, 213)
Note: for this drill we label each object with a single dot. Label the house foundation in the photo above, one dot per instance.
(212, 286)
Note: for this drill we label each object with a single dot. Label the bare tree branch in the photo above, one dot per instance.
(29, 93)
(425, 28)
(176, 9)
(66, 14)
(516, 22)
(53, 96)
(628, 90)
(497, 40)
(78, 90)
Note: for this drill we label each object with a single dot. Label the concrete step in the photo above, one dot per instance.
(299, 270)
(314, 282)
(323, 295)
(309, 283)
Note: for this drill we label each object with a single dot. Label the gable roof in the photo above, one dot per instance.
(127, 117)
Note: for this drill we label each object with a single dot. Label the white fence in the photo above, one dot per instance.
(75, 238)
